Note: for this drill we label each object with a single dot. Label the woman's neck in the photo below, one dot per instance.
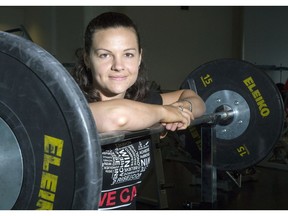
(111, 97)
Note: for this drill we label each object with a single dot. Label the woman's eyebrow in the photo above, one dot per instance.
(130, 49)
(103, 49)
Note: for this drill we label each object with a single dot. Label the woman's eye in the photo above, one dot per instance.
(104, 55)
(129, 55)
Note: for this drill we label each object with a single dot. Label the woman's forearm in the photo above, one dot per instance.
(180, 98)
(130, 115)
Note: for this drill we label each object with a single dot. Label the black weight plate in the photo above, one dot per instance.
(266, 112)
(42, 105)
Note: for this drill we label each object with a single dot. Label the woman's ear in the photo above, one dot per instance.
(86, 60)
(140, 57)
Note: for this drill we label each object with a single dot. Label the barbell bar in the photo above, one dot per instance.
(213, 118)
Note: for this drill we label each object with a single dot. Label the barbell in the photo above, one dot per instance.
(51, 153)
(252, 118)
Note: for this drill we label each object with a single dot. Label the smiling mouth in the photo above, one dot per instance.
(118, 78)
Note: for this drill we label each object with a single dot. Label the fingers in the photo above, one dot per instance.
(181, 124)
(186, 114)
(181, 107)
(177, 118)
(175, 126)
(171, 126)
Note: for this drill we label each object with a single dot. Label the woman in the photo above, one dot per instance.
(111, 74)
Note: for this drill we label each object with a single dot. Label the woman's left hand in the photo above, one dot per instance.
(182, 106)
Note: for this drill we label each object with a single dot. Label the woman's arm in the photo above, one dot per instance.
(181, 98)
(123, 114)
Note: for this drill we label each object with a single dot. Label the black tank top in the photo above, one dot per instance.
(124, 165)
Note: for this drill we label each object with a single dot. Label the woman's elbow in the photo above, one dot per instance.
(113, 123)
(201, 108)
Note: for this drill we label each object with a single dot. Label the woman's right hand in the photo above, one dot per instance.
(175, 118)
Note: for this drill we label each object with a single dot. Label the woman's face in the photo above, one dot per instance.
(114, 60)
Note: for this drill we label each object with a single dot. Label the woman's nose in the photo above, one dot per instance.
(117, 64)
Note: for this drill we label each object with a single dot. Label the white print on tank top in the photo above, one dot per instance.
(127, 162)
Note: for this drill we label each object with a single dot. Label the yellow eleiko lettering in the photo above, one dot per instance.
(53, 146)
(49, 159)
(53, 149)
(256, 94)
(49, 181)
(44, 205)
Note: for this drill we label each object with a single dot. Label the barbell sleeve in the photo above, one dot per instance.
(212, 118)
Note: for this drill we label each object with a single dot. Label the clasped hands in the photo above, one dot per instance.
(178, 117)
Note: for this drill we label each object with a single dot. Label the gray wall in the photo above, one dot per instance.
(56, 29)
(175, 41)
(266, 39)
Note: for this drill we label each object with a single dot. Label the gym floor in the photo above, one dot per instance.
(268, 191)
(266, 188)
